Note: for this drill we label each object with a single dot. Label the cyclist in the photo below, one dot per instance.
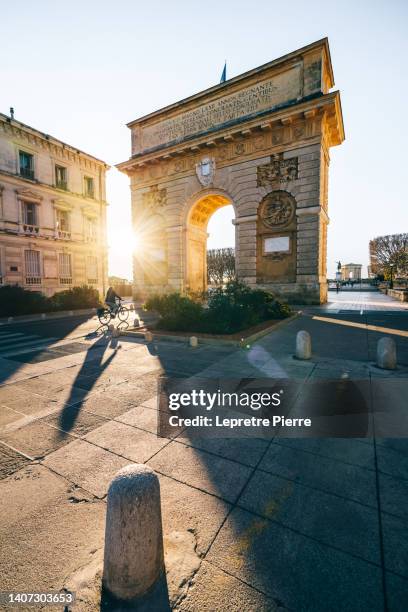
(112, 300)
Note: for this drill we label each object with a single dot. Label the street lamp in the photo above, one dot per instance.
(391, 280)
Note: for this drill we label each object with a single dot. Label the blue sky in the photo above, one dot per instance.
(81, 70)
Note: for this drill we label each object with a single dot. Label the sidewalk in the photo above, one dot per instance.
(254, 524)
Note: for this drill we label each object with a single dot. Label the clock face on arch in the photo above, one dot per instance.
(278, 209)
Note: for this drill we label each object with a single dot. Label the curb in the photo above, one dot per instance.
(215, 341)
(62, 314)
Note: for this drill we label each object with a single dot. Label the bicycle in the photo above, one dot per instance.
(106, 314)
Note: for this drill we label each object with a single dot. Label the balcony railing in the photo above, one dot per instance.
(65, 280)
(33, 280)
(62, 185)
(31, 229)
(64, 235)
(92, 281)
(27, 173)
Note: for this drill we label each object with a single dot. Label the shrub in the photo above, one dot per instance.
(77, 297)
(15, 300)
(177, 312)
(229, 310)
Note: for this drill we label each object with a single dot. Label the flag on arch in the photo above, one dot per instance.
(224, 74)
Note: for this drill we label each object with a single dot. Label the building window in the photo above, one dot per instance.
(63, 221)
(92, 269)
(26, 164)
(32, 267)
(89, 186)
(30, 216)
(65, 268)
(60, 177)
(90, 230)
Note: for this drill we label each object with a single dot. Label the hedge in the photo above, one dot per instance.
(15, 300)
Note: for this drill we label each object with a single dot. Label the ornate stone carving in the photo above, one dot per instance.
(155, 198)
(205, 170)
(278, 209)
(278, 169)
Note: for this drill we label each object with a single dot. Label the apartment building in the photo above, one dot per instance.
(52, 212)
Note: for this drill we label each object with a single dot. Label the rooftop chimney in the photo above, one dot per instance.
(11, 112)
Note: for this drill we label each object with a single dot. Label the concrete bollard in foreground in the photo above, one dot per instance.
(148, 336)
(386, 354)
(303, 345)
(43, 315)
(133, 560)
(193, 341)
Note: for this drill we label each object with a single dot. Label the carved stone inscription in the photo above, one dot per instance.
(278, 169)
(262, 96)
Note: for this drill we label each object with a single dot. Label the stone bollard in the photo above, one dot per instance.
(43, 315)
(148, 336)
(10, 319)
(133, 560)
(303, 345)
(71, 313)
(386, 354)
(193, 341)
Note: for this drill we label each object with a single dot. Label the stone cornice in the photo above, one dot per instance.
(34, 136)
(327, 106)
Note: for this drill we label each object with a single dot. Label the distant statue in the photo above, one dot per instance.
(339, 266)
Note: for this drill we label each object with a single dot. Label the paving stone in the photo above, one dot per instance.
(212, 589)
(10, 461)
(215, 475)
(391, 460)
(397, 593)
(395, 544)
(142, 417)
(298, 571)
(104, 404)
(326, 474)
(44, 535)
(135, 444)
(185, 508)
(393, 495)
(244, 450)
(74, 420)
(36, 439)
(8, 415)
(327, 518)
(87, 465)
(342, 449)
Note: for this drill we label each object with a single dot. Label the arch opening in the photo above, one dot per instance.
(197, 232)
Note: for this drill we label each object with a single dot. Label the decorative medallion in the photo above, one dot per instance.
(278, 169)
(205, 171)
(155, 198)
(278, 209)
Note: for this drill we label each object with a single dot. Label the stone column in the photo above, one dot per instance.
(245, 248)
(175, 267)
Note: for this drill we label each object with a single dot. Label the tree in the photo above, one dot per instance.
(387, 251)
(220, 266)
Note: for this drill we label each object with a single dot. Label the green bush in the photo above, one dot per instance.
(230, 309)
(15, 300)
(177, 312)
(77, 297)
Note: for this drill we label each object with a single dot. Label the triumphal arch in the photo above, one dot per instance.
(260, 141)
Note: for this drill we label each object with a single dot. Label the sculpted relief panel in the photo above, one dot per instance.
(266, 95)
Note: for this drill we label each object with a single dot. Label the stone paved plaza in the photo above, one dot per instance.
(249, 524)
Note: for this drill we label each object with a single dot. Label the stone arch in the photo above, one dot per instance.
(198, 211)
